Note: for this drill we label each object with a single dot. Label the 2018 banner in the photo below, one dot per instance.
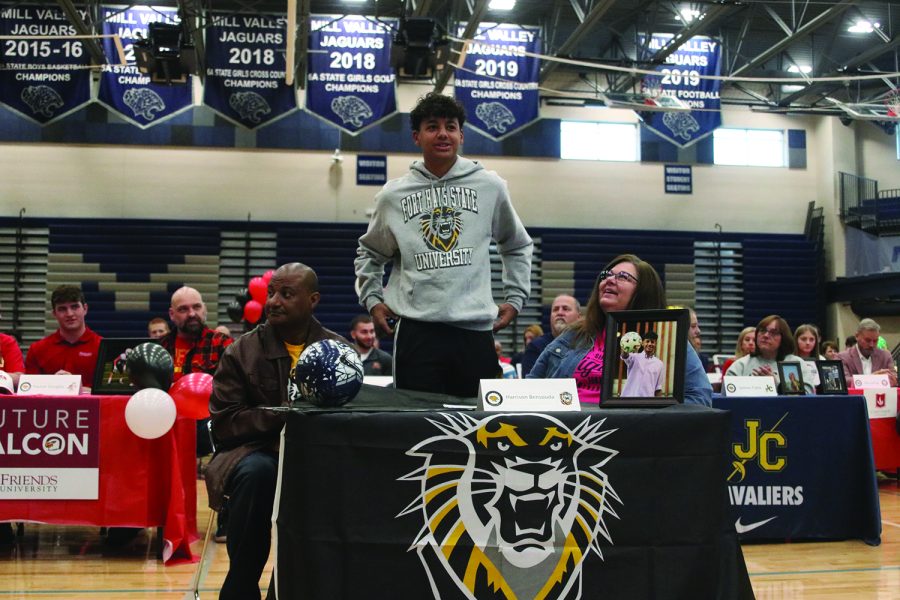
(245, 68)
(498, 83)
(351, 82)
(50, 451)
(681, 76)
(42, 79)
(123, 89)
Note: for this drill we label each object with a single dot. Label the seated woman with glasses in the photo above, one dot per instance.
(626, 283)
(774, 344)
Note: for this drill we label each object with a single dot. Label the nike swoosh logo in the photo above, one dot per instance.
(741, 528)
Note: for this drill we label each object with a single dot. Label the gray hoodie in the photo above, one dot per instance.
(437, 231)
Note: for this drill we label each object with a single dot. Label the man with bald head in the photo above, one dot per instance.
(195, 348)
(256, 371)
(564, 311)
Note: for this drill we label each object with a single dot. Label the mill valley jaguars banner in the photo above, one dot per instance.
(49, 450)
(42, 79)
(123, 89)
(498, 84)
(681, 77)
(245, 67)
(351, 82)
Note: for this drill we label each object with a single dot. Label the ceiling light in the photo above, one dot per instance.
(800, 69)
(502, 4)
(863, 26)
(791, 88)
(688, 14)
(354, 1)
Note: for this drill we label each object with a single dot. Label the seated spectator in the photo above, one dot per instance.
(564, 311)
(865, 358)
(509, 371)
(830, 350)
(72, 349)
(375, 360)
(807, 338)
(157, 328)
(746, 344)
(11, 360)
(528, 335)
(694, 337)
(774, 343)
(626, 283)
(849, 342)
(223, 329)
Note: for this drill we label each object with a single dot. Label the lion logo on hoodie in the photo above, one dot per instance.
(441, 228)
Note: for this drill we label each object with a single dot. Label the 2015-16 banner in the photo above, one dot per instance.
(123, 89)
(351, 83)
(498, 83)
(682, 76)
(42, 79)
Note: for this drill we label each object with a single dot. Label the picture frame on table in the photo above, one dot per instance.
(657, 340)
(790, 378)
(110, 376)
(831, 377)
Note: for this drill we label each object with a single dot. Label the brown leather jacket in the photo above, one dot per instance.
(253, 372)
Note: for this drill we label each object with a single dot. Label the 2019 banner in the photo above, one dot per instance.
(351, 82)
(245, 69)
(682, 76)
(123, 89)
(498, 83)
(42, 79)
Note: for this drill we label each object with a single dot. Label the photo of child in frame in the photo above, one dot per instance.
(791, 379)
(831, 376)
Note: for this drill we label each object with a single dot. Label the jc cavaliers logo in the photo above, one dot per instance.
(440, 228)
(511, 505)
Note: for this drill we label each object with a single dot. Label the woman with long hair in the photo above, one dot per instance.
(774, 344)
(746, 343)
(626, 283)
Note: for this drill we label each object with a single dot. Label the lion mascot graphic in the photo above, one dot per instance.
(441, 228)
(511, 504)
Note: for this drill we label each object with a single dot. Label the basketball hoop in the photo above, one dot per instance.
(892, 103)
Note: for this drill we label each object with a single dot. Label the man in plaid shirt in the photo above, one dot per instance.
(194, 347)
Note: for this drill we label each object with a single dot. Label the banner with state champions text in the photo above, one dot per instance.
(351, 83)
(682, 76)
(42, 77)
(498, 83)
(124, 89)
(245, 69)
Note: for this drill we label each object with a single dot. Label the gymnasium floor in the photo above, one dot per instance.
(53, 562)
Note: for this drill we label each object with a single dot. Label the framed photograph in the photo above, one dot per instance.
(644, 358)
(111, 376)
(831, 377)
(790, 376)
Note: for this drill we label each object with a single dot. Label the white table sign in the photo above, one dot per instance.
(528, 395)
(49, 385)
(862, 382)
(735, 385)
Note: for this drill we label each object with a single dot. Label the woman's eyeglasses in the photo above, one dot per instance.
(772, 332)
(621, 276)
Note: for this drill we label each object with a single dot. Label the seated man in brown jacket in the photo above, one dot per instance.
(256, 371)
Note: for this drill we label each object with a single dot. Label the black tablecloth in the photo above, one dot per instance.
(352, 521)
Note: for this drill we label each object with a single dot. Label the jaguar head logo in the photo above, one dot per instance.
(144, 102)
(441, 228)
(512, 504)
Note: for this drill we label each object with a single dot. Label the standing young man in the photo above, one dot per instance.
(436, 224)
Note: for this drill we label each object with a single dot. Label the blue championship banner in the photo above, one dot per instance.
(350, 82)
(681, 77)
(42, 79)
(245, 67)
(123, 89)
(498, 84)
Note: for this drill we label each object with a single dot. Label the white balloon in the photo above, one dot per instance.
(150, 413)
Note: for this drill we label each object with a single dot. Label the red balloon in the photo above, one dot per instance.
(267, 276)
(191, 395)
(252, 311)
(258, 288)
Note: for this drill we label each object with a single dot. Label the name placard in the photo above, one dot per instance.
(735, 385)
(49, 385)
(528, 395)
(379, 380)
(862, 382)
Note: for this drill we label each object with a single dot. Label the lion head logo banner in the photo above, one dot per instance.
(441, 228)
(511, 504)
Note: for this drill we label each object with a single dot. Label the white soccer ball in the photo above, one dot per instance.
(631, 342)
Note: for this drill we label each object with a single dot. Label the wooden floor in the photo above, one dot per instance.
(73, 563)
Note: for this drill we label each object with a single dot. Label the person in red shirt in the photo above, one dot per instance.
(11, 361)
(72, 349)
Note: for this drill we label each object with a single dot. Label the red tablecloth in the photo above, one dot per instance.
(143, 483)
(885, 439)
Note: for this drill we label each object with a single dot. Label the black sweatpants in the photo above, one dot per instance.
(440, 358)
